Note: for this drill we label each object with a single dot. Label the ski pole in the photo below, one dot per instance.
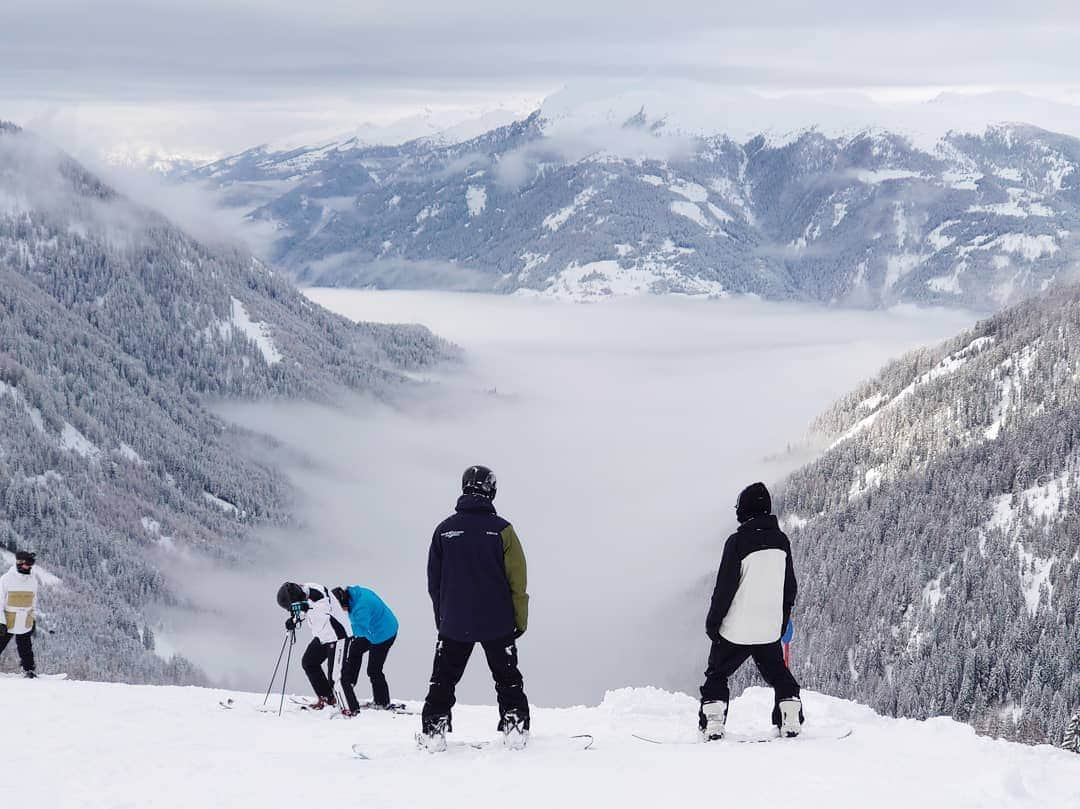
(277, 665)
(285, 676)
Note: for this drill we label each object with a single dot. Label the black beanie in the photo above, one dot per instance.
(753, 501)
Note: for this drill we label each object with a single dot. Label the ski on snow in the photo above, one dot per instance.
(750, 738)
(11, 675)
(398, 708)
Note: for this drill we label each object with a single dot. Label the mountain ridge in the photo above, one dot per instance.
(980, 221)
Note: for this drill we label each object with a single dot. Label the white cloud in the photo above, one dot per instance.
(621, 434)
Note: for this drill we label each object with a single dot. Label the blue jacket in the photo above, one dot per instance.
(476, 574)
(370, 616)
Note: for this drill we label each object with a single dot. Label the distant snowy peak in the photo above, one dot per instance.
(864, 217)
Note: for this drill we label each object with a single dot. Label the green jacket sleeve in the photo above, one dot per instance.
(514, 562)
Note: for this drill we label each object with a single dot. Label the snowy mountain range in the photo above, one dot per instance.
(577, 205)
(116, 328)
(937, 537)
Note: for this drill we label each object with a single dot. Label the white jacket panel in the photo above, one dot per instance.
(757, 611)
(325, 617)
(18, 596)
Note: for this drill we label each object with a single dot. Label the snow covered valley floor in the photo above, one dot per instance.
(76, 744)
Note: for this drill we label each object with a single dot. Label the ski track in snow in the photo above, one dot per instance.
(119, 746)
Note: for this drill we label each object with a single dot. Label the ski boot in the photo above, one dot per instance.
(711, 720)
(791, 718)
(432, 737)
(321, 703)
(29, 674)
(515, 730)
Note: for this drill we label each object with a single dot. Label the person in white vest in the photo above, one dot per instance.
(329, 623)
(18, 596)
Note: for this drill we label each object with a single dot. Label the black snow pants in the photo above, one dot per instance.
(725, 658)
(350, 670)
(315, 655)
(25, 644)
(451, 657)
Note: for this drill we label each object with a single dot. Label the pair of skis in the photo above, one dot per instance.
(398, 708)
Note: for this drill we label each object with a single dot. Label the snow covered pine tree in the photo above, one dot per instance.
(1072, 735)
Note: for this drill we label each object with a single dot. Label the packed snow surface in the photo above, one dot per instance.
(119, 746)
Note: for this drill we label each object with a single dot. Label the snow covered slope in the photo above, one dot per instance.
(938, 539)
(115, 328)
(98, 745)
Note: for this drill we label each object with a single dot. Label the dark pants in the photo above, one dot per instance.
(451, 657)
(726, 657)
(25, 644)
(315, 655)
(350, 670)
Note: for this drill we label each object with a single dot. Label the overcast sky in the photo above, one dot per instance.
(219, 75)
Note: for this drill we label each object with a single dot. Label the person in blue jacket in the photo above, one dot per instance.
(375, 629)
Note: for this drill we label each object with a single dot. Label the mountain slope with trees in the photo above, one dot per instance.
(116, 332)
(938, 539)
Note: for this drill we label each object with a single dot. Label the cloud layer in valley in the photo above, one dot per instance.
(620, 433)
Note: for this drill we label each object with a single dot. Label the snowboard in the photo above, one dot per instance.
(12, 675)
(577, 742)
(808, 734)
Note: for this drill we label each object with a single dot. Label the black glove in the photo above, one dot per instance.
(518, 633)
(3, 629)
(290, 624)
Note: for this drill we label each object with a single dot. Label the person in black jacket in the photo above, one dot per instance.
(751, 605)
(477, 582)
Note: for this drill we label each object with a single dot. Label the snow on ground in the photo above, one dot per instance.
(224, 505)
(254, 330)
(476, 199)
(109, 745)
(74, 441)
(691, 212)
(556, 220)
(874, 177)
(597, 280)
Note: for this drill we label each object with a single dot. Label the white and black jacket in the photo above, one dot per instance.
(18, 596)
(325, 617)
(755, 586)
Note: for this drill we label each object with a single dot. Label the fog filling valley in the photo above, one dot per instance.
(620, 434)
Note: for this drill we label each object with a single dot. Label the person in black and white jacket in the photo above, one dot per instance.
(18, 597)
(751, 604)
(329, 623)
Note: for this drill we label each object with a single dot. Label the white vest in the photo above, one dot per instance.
(18, 595)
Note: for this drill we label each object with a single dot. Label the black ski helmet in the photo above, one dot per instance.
(289, 593)
(479, 480)
(26, 557)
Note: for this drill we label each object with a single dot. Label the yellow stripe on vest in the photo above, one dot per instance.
(20, 599)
